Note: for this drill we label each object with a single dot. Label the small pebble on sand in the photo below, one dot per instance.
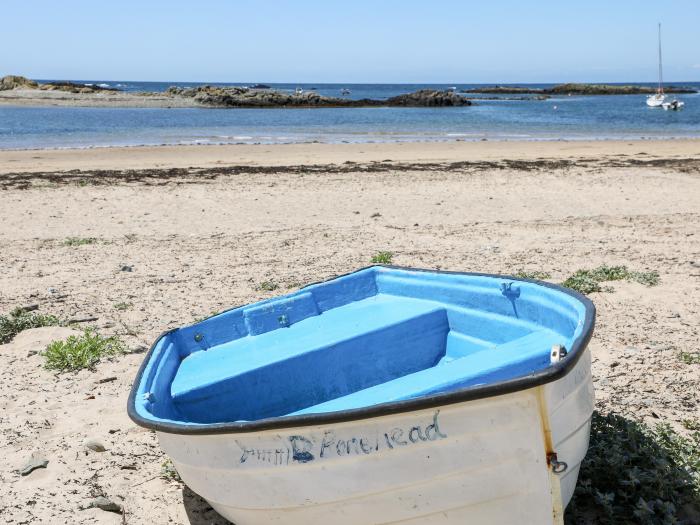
(105, 504)
(35, 461)
(94, 445)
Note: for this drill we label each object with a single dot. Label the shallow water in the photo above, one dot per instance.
(575, 117)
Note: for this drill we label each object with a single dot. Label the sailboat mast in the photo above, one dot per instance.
(661, 71)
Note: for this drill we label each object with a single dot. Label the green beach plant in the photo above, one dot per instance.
(268, 286)
(81, 351)
(535, 274)
(168, 472)
(589, 281)
(79, 241)
(122, 306)
(689, 358)
(382, 258)
(691, 424)
(636, 474)
(19, 319)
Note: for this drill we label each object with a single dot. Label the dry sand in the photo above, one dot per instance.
(200, 240)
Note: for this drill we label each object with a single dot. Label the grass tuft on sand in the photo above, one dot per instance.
(81, 351)
(382, 258)
(123, 306)
(636, 474)
(168, 472)
(589, 281)
(689, 358)
(19, 319)
(79, 241)
(268, 286)
(535, 274)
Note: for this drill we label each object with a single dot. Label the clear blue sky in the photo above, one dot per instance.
(349, 41)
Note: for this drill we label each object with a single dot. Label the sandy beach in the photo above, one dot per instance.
(201, 227)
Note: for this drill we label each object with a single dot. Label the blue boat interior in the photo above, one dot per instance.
(374, 336)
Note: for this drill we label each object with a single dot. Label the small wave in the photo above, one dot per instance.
(195, 141)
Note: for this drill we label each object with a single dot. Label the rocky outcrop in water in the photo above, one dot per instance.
(16, 82)
(577, 89)
(241, 97)
(607, 89)
(429, 98)
(74, 87)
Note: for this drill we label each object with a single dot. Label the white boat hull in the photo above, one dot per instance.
(482, 462)
(674, 105)
(656, 101)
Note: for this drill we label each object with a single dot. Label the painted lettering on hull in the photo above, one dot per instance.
(306, 448)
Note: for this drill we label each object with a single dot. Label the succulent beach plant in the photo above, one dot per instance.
(20, 319)
(589, 281)
(81, 351)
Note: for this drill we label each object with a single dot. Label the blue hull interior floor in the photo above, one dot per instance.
(376, 336)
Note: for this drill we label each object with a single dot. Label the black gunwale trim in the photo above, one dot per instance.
(541, 377)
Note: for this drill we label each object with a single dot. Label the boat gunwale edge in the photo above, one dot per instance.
(543, 376)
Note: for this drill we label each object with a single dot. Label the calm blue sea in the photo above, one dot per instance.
(571, 118)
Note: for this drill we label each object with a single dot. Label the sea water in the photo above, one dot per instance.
(557, 118)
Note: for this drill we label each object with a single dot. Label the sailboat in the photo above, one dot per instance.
(657, 100)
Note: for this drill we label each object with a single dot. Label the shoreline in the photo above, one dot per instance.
(427, 140)
(299, 154)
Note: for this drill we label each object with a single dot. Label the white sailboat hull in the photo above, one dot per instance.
(479, 462)
(656, 101)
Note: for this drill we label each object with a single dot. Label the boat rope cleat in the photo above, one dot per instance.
(558, 353)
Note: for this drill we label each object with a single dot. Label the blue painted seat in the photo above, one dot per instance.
(522, 356)
(321, 357)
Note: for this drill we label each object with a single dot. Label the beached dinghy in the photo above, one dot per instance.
(388, 395)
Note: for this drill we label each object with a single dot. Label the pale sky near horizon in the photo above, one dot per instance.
(355, 41)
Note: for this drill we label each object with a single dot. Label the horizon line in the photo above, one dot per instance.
(407, 83)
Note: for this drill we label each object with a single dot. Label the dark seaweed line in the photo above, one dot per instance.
(24, 180)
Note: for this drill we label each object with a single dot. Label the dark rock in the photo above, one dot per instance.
(126, 268)
(240, 97)
(429, 98)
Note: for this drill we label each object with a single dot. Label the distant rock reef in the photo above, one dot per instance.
(577, 89)
(242, 97)
(16, 82)
(259, 96)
